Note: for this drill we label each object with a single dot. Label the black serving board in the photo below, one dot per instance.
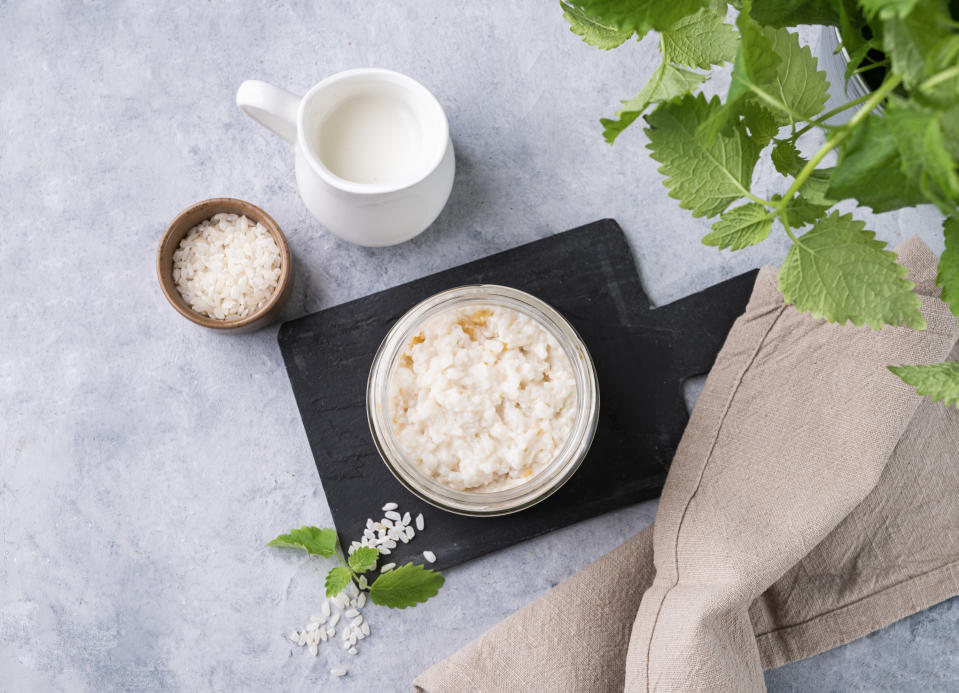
(642, 356)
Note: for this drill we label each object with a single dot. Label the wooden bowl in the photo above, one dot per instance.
(193, 215)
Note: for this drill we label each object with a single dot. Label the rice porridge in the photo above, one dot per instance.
(482, 398)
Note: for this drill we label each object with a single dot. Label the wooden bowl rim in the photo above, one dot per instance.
(178, 228)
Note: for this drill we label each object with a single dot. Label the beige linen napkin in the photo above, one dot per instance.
(810, 502)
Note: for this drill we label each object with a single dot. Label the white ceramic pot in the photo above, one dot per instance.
(833, 60)
(374, 159)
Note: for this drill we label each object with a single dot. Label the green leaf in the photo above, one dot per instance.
(363, 558)
(760, 122)
(315, 541)
(947, 278)
(740, 227)
(789, 162)
(706, 177)
(593, 32)
(337, 580)
(937, 381)
(638, 16)
(405, 586)
(950, 130)
(800, 211)
(668, 82)
(755, 63)
(787, 159)
(782, 13)
(887, 8)
(773, 70)
(924, 153)
(855, 60)
(869, 171)
(838, 271)
(798, 90)
(700, 40)
(911, 41)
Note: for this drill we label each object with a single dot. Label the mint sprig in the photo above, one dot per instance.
(399, 588)
(896, 146)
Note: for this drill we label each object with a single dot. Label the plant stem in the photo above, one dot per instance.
(820, 121)
(784, 218)
(871, 66)
(837, 138)
(764, 203)
(939, 77)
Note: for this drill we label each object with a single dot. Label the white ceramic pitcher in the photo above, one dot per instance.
(374, 159)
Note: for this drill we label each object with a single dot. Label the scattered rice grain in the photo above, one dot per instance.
(429, 556)
(420, 523)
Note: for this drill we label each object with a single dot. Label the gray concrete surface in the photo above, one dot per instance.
(144, 462)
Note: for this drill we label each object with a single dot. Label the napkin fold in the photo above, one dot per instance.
(810, 502)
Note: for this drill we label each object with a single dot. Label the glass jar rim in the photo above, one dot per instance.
(522, 495)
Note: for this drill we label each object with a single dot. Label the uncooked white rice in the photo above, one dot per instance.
(420, 523)
(429, 556)
(387, 568)
(226, 267)
(338, 672)
(390, 506)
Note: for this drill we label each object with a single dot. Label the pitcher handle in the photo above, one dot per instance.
(272, 107)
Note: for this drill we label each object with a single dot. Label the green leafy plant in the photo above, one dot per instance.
(898, 148)
(406, 585)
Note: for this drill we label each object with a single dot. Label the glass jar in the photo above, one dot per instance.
(527, 492)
